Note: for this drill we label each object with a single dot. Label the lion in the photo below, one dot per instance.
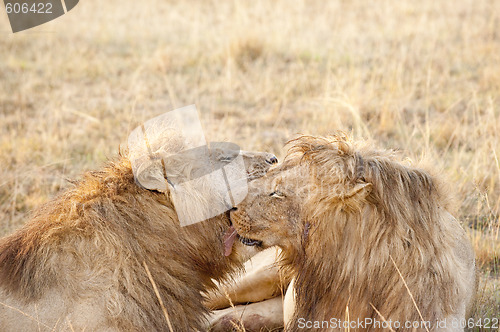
(369, 240)
(110, 255)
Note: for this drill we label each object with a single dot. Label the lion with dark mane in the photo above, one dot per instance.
(364, 235)
(110, 255)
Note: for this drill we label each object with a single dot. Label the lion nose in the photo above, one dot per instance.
(234, 208)
(272, 160)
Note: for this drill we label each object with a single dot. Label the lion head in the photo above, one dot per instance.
(274, 210)
(361, 231)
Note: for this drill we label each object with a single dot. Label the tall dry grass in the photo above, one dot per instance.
(419, 76)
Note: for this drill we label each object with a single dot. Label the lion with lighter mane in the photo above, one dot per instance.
(110, 255)
(364, 235)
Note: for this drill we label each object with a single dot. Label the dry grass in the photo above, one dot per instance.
(420, 76)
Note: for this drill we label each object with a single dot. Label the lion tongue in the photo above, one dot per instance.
(229, 238)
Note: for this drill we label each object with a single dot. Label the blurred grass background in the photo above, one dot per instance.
(422, 77)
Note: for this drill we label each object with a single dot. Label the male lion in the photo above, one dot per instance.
(110, 255)
(366, 238)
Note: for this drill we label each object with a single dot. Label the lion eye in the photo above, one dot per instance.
(277, 194)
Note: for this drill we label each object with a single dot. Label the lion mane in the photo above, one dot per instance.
(88, 259)
(372, 238)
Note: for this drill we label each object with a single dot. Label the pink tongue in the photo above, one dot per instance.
(229, 238)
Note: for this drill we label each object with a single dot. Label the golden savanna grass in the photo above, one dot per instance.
(418, 76)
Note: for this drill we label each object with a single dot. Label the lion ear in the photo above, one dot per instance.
(359, 190)
(150, 175)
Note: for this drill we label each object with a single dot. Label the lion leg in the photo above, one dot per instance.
(265, 315)
(289, 303)
(261, 281)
